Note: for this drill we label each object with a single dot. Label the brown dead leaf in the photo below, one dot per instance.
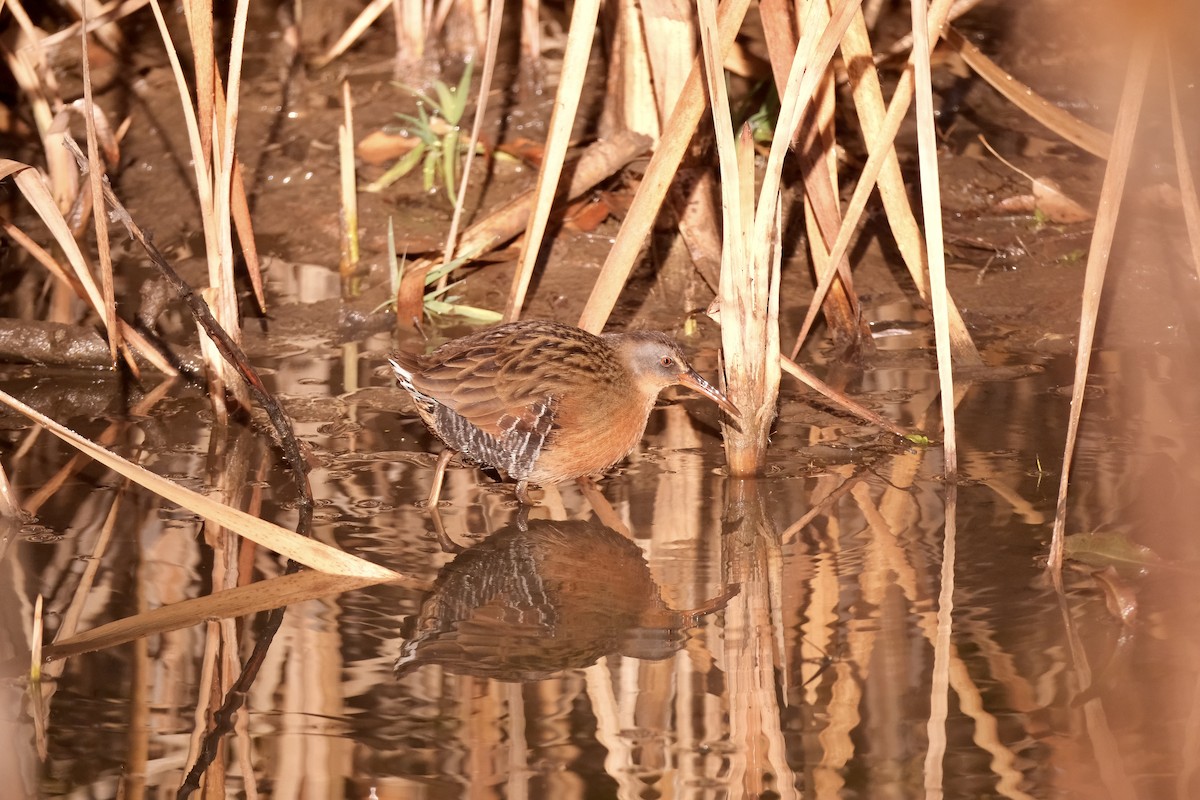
(527, 150)
(1017, 204)
(380, 147)
(586, 215)
(1051, 201)
(1047, 198)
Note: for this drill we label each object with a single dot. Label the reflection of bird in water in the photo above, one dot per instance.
(542, 401)
(523, 605)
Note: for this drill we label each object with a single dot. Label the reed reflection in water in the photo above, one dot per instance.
(775, 636)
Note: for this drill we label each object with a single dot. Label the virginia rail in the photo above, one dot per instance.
(541, 401)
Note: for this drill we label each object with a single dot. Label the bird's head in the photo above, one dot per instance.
(655, 361)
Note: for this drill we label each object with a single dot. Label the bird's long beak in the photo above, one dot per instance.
(693, 381)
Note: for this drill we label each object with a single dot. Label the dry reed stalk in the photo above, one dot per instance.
(239, 209)
(99, 218)
(34, 76)
(210, 354)
(35, 648)
(818, 164)
(931, 206)
(1111, 192)
(808, 68)
(228, 314)
(214, 107)
(411, 28)
(212, 179)
(816, 143)
(751, 263)
(647, 201)
(905, 43)
(38, 693)
(881, 152)
(670, 31)
(840, 398)
(575, 60)
(939, 690)
(1187, 184)
(531, 31)
(495, 18)
(237, 602)
(480, 14)
(365, 19)
(749, 287)
(348, 264)
(630, 102)
(199, 17)
(106, 15)
(867, 94)
(10, 505)
(599, 161)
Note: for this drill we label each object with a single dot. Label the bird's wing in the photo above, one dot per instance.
(490, 406)
(500, 389)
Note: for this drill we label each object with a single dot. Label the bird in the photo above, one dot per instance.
(544, 402)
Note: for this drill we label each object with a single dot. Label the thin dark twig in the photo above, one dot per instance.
(228, 348)
(226, 716)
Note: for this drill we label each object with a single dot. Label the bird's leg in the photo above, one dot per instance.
(523, 493)
(447, 544)
(439, 474)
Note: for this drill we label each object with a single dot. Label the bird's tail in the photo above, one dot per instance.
(404, 365)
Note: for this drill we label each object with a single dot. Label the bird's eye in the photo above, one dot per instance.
(667, 361)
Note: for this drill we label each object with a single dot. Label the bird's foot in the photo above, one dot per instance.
(522, 493)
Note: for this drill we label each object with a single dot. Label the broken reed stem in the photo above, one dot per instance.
(840, 398)
(931, 206)
(1107, 211)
